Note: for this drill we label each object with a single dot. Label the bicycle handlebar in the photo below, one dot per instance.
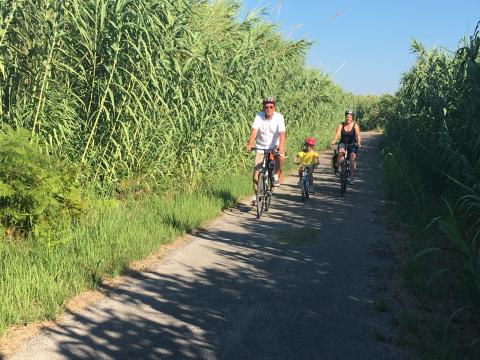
(275, 151)
(336, 145)
(256, 148)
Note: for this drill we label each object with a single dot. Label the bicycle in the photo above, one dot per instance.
(334, 161)
(345, 170)
(305, 181)
(265, 180)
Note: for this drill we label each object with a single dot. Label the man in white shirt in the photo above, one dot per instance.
(268, 131)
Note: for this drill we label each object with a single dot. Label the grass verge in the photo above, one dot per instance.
(435, 320)
(36, 280)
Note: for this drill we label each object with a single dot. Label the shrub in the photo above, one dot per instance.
(37, 192)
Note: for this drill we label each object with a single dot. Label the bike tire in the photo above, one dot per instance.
(343, 187)
(304, 190)
(260, 194)
(343, 179)
(268, 192)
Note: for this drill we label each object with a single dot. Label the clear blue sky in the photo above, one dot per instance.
(365, 45)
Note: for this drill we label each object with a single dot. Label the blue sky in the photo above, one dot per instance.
(365, 45)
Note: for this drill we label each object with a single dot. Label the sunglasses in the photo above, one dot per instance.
(268, 106)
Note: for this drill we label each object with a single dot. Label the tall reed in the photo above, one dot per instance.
(152, 89)
(432, 168)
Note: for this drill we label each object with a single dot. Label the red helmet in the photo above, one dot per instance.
(310, 141)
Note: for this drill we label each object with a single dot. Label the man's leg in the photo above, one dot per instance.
(279, 160)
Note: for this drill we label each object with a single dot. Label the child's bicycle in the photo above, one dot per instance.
(305, 193)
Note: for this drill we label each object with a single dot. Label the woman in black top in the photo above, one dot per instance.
(348, 132)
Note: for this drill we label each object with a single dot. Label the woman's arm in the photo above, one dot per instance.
(357, 135)
(337, 135)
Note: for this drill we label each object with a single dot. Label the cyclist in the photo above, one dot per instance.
(307, 157)
(268, 132)
(348, 132)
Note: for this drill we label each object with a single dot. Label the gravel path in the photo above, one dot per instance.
(301, 283)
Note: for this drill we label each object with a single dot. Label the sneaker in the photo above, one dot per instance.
(254, 201)
(350, 181)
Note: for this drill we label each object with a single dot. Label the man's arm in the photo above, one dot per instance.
(251, 139)
(281, 136)
(281, 145)
(253, 133)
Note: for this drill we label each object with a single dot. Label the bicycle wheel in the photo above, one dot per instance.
(268, 191)
(304, 189)
(343, 178)
(260, 194)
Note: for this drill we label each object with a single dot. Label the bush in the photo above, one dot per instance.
(37, 193)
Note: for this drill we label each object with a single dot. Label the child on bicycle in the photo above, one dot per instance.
(307, 157)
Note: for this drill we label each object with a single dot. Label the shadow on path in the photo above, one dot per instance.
(298, 283)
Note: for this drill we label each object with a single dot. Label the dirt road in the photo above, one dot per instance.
(304, 282)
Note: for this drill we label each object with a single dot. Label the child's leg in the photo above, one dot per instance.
(300, 175)
(310, 176)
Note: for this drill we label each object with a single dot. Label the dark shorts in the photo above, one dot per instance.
(353, 148)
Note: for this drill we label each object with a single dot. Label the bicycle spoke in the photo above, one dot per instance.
(268, 190)
(260, 194)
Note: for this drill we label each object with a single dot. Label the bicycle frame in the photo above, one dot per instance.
(268, 166)
(265, 182)
(345, 172)
(305, 181)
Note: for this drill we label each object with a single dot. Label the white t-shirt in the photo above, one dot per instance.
(268, 131)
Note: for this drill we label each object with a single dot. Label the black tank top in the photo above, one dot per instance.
(348, 137)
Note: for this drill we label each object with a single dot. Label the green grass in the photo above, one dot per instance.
(380, 305)
(297, 236)
(426, 332)
(36, 280)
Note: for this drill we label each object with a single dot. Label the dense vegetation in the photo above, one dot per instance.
(151, 90)
(372, 111)
(432, 170)
(131, 113)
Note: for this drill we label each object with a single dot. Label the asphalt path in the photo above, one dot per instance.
(303, 282)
